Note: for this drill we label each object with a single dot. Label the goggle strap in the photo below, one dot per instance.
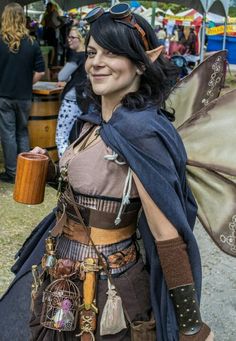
(143, 35)
(124, 16)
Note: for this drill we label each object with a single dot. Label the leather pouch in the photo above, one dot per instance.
(143, 330)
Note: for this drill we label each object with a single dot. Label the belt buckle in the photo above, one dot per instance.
(90, 265)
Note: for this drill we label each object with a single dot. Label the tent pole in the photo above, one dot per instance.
(203, 32)
(154, 6)
(225, 31)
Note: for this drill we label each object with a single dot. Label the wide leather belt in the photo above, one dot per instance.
(75, 231)
(114, 261)
(95, 218)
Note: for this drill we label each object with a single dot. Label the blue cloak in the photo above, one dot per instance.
(151, 146)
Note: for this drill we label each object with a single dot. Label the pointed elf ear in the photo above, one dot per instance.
(154, 54)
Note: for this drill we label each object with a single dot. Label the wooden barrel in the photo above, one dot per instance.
(43, 121)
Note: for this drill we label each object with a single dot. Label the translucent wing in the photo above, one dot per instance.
(209, 135)
(216, 198)
(197, 89)
(210, 141)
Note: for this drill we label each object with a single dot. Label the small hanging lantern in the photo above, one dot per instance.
(61, 301)
(49, 258)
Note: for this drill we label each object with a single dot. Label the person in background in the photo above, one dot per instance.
(175, 34)
(161, 36)
(74, 17)
(32, 26)
(52, 23)
(180, 30)
(73, 73)
(21, 65)
(191, 42)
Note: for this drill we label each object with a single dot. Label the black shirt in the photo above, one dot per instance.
(17, 69)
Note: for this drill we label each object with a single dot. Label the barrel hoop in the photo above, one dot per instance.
(46, 99)
(40, 118)
(50, 148)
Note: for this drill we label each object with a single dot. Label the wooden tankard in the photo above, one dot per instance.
(31, 174)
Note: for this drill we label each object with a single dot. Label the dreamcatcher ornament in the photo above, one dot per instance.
(206, 124)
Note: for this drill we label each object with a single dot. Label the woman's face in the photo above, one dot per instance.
(110, 74)
(73, 40)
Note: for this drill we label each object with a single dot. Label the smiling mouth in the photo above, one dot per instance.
(99, 75)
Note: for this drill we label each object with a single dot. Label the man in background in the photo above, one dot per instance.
(21, 65)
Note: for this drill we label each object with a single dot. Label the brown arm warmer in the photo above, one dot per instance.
(177, 272)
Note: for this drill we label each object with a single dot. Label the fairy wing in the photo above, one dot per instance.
(209, 138)
(197, 89)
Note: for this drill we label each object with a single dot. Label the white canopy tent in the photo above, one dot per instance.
(169, 12)
(220, 7)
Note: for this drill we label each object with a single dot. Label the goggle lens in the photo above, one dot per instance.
(120, 11)
(94, 14)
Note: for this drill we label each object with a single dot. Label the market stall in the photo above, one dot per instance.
(215, 33)
(187, 20)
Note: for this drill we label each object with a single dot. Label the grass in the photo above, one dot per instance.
(230, 81)
(16, 223)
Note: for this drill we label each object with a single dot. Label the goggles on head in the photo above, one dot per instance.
(120, 13)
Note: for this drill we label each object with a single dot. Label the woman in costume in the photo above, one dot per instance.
(74, 74)
(128, 155)
(139, 160)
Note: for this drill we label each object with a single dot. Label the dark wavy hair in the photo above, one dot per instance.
(121, 39)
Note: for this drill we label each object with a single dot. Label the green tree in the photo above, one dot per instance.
(232, 11)
(174, 7)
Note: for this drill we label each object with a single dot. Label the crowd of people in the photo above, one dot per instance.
(183, 39)
(52, 30)
(65, 35)
(125, 169)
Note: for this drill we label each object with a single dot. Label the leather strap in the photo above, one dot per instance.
(66, 267)
(201, 335)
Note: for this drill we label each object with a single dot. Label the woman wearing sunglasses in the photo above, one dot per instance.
(126, 167)
(73, 73)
